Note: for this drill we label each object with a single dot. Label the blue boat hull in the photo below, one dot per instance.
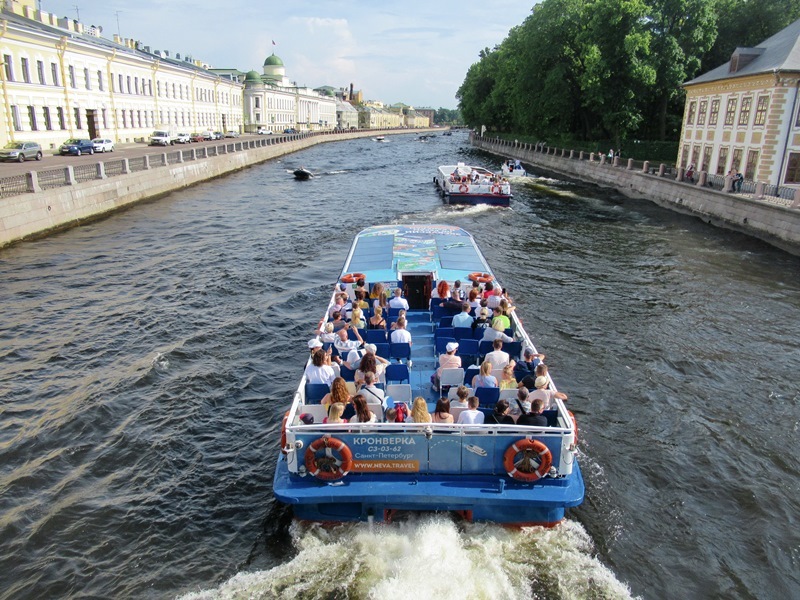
(359, 497)
(474, 199)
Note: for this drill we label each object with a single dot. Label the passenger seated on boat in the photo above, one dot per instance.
(527, 366)
(471, 416)
(457, 292)
(462, 393)
(371, 363)
(449, 360)
(361, 286)
(442, 412)
(343, 344)
(378, 296)
(393, 323)
(419, 411)
(499, 415)
(398, 301)
(485, 377)
(318, 371)
(307, 419)
(534, 417)
(401, 335)
(474, 299)
(463, 319)
(482, 321)
(339, 302)
(542, 393)
(338, 393)
(357, 319)
(442, 290)
(390, 415)
(360, 300)
(495, 332)
(521, 404)
(335, 413)
(326, 334)
(373, 394)
(363, 413)
(338, 321)
(529, 381)
(497, 357)
(377, 321)
(508, 381)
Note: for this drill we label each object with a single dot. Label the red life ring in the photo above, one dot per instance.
(463, 188)
(481, 277)
(496, 189)
(283, 432)
(352, 277)
(340, 467)
(527, 446)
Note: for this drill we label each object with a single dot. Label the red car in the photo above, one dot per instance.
(197, 137)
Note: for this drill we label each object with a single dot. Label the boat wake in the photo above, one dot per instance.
(430, 556)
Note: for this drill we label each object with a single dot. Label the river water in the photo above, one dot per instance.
(146, 361)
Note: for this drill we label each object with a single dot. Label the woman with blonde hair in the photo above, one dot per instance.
(335, 413)
(485, 377)
(378, 296)
(508, 381)
(419, 411)
(357, 319)
(338, 393)
(377, 321)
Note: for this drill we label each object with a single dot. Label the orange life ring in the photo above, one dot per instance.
(575, 425)
(496, 189)
(340, 467)
(463, 188)
(526, 446)
(352, 277)
(283, 432)
(481, 277)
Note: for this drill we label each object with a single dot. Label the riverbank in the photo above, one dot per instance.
(42, 202)
(775, 220)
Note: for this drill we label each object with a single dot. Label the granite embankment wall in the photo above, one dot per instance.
(774, 220)
(80, 196)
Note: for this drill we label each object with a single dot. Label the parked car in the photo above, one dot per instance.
(183, 138)
(21, 151)
(103, 145)
(208, 135)
(232, 134)
(264, 131)
(196, 137)
(218, 135)
(77, 147)
(290, 130)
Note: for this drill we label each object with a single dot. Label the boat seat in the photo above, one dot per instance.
(488, 396)
(315, 392)
(399, 392)
(375, 336)
(397, 372)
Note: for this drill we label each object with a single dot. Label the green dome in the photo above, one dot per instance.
(273, 61)
(253, 76)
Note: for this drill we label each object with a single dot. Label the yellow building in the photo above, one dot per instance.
(744, 115)
(61, 80)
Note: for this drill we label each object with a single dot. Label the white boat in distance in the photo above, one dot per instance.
(513, 169)
(462, 184)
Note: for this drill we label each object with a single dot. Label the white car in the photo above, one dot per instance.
(262, 131)
(103, 145)
(232, 134)
(183, 138)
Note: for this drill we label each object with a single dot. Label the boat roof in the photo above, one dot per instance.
(384, 252)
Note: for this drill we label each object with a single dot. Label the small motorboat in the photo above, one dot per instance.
(302, 174)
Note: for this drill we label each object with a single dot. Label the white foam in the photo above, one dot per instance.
(431, 557)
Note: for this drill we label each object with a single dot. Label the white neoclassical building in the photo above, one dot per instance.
(60, 80)
(273, 102)
(745, 114)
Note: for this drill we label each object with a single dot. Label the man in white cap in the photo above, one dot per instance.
(449, 360)
(544, 394)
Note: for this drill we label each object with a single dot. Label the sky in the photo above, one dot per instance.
(415, 52)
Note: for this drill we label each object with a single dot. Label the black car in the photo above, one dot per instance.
(77, 147)
(290, 130)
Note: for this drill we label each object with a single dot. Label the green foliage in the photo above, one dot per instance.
(447, 116)
(609, 69)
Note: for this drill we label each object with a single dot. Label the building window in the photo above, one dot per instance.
(71, 76)
(722, 160)
(714, 115)
(15, 117)
(744, 113)
(9, 68)
(736, 161)
(128, 79)
(701, 114)
(32, 118)
(78, 124)
(158, 88)
(40, 71)
(26, 74)
(121, 88)
(54, 73)
(48, 122)
(752, 164)
(761, 110)
(793, 168)
(706, 166)
(105, 118)
(684, 154)
(136, 85)
(62, 122)
(730, 112)
(100, 80)
(258, 102)
(124, 120)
